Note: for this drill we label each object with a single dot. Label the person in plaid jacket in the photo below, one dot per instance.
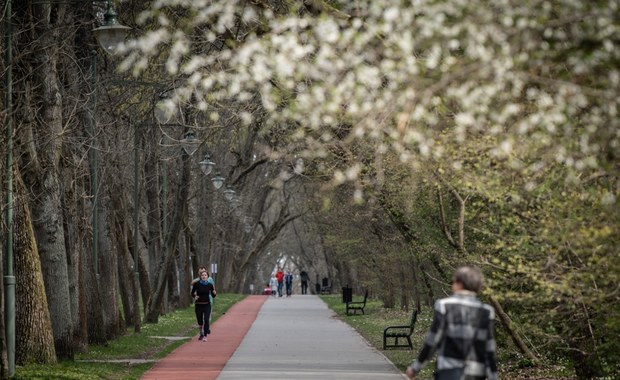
(462, 333)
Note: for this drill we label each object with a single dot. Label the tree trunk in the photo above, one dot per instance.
(50, 236)
(33, 329)
(155, 302)
(122, 240)
(416, 286)
(128, 290)
(94, 316)
(94, 319)
(145, 282)
(460, 243)
(516, 339)
(75, 235)
(153, 214)
(431, 293)
(186, 273)
(39, 162)
(108, 281)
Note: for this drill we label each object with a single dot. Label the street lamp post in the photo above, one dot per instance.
(94, 165)
(9, 278)
(110, 35)
(136, 226)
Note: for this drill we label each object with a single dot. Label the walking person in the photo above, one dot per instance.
(303, 275)
(462, 332)
(288, 282)
(274, 285)
(280, 278)
(203, 291)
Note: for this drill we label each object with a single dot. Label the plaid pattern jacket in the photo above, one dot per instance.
(457, 319)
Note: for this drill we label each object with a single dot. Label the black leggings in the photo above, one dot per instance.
(203, 312)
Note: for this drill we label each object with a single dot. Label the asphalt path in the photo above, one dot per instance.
(299, 337)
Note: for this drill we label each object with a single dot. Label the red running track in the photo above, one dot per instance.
(205, 360)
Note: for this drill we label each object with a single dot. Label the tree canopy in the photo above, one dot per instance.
(507, 110)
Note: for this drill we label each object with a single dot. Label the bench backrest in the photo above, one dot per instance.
(414, 317)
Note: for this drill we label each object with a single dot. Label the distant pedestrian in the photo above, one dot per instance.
(462, 333)
(280, 278)
(274, 285)
(288, 281)
(203, 291)
(303, 276)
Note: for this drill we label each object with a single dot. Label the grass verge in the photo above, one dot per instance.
(377, 318)
(120, 358)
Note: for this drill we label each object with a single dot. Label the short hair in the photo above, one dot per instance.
(470, 277)
(204, 271)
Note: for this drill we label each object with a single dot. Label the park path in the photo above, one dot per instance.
(205, 360)
(300, 338)
(262, 337)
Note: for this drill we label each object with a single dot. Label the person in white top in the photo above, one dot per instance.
(274, 285)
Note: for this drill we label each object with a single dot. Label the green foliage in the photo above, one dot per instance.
(114, 360)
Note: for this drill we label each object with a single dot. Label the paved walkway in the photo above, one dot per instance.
(290, 338)
(205, 360)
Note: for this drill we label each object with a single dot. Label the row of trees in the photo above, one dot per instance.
(108, 205)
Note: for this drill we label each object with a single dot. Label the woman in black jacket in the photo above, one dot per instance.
(201, 291)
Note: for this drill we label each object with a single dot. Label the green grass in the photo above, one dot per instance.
(142, 345)
(377, 318)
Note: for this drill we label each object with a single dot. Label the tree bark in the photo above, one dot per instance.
(155, 302)
(153, 214)
(460, 243)
(40, 134)
(33, 329)
(516, 339)
(120, 232)
(75, 235)
(108, 281)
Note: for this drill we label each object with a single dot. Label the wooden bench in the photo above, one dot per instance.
(354, 306)
(397, 332)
